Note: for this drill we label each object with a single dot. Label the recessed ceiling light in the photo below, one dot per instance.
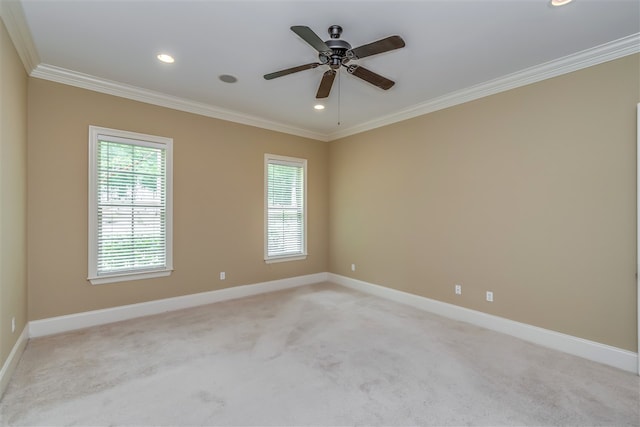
(166, 58)
(228, 78)
(560, 2)
(319, 107)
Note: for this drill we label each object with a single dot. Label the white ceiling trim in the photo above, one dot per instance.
(13, 18)
(85, 81)
(607, 52)
(587, 58)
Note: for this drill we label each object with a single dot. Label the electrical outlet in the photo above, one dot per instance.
(13, 324)
(458, 289)
(489, 296)
(222, 275)
(353, 267)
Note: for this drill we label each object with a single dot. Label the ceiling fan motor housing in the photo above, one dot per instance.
(338, 56)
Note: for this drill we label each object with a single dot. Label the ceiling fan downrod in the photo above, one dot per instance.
(335, 31)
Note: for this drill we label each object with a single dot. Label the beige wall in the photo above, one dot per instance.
(218, 200)
(13, 194)
(529, 193)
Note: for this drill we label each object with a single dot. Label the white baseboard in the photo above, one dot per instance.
(602, 353)
(13, 359)
(56, 325)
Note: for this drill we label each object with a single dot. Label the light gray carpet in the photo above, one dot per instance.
(317, 355)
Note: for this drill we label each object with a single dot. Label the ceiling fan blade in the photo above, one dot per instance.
(312, 38)
(374, 48)
(370, 76)
(291, 70)
(325, 84)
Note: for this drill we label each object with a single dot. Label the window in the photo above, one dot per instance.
(130, 205)
(285, 208)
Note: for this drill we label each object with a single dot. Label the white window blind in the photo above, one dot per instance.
(130, 206)
(285, 208)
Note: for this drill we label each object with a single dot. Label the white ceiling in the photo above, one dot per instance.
(455, 50)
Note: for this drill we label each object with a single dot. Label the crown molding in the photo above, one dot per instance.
(85, 81)
(13, 17)
(607, 52)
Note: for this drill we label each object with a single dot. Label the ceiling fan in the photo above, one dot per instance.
(336, 53)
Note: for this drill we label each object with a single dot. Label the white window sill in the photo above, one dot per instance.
(285, 258)
(100, 280)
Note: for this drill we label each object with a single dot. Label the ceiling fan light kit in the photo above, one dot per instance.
(337, 53)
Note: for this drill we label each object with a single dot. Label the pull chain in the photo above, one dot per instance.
(339, 74)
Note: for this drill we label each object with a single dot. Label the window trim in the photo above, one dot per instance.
(293, 161)
(145, 140)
